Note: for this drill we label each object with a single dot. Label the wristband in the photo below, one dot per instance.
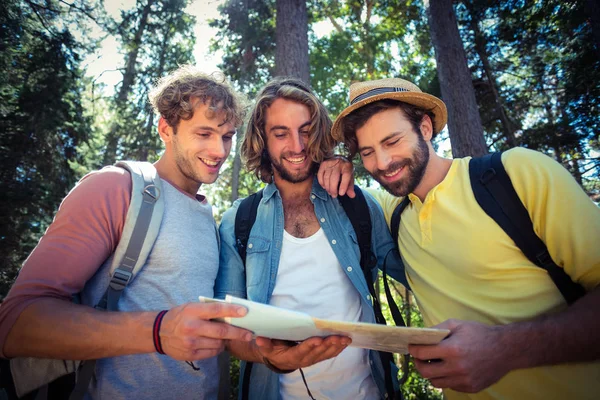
(275, 369)
(156, 332)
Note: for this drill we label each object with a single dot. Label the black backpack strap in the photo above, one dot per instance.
(395, 222)
(496, 195)
(357, 211)
(244, 220)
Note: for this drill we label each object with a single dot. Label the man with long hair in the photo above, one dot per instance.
(302, 252)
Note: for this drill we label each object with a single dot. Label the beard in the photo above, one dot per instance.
(293, 176)
(414, 170)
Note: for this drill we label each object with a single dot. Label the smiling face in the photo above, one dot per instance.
(198, 147)
(393, 153)
(287, 126)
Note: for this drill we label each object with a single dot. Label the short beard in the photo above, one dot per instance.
(416, 166)
(288, 177)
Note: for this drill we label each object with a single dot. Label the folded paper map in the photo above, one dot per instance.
(278, 323)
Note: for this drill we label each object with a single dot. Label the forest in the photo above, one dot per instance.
(512, 73)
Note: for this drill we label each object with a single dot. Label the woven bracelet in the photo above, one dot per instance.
(156, 331)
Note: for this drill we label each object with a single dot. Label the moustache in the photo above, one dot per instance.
(394, 167)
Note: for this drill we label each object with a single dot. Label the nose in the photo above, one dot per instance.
(383, 160)
(218, 148)
(298, 143)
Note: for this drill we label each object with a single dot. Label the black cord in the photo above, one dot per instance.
(191, 364)
(306, 385)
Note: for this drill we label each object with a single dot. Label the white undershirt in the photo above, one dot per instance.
(310, 279)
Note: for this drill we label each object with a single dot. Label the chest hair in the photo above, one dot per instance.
(300, 218)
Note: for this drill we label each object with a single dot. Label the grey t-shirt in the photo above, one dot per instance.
(183, 265)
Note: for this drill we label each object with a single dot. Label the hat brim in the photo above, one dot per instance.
(419, 99)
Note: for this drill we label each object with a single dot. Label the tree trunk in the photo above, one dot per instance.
(291, 38)
(236, 168)
(464, 122)
(149, 130)
(112, 139)
(480, 47)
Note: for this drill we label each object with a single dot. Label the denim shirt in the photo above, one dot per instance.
(262, 261)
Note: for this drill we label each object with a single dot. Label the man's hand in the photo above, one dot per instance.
(187, 332)
(336, 175)
(285, 356)
(469, 360)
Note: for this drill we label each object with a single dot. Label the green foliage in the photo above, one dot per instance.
(547, 74)
(42, 124)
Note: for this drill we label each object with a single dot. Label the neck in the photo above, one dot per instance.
(293, 191)
(435, 172)
(167, 169)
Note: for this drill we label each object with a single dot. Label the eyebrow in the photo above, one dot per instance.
(283, 127)
(385, 139)
(211, 129)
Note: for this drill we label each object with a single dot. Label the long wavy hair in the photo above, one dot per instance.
(254, 146)
(175, 96)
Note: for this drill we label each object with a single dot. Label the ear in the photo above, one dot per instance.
(165, 130)
(426, 128)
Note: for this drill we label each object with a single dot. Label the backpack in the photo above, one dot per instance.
(357, 211)
(49, 378)
(496, 195)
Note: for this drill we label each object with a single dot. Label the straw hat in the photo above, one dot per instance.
(362, 93)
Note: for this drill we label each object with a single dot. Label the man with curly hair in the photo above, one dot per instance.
(199, 115)
(302, 254)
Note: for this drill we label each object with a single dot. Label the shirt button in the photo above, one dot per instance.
(349, 269)
(369, 298)
(333, 241)
(322, 219)
(312, 196)
(249, 245)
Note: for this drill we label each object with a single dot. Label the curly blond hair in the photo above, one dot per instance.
(174, 96)
(254, 146)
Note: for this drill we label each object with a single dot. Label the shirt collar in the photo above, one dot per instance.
(316, 190)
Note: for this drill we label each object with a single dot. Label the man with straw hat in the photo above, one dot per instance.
(513, 336)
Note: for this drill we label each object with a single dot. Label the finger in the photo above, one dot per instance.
(221, 330)
(325, 352)
(262, 341)
(320, 173)
(431, 369)
(334, 181)
(332, 190)
(426, 352)
(344, 184)
(217, 310)
(350, 190)
(449, 324)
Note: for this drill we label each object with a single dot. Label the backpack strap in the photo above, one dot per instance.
(395, 222)
(359, 215)
(244, 220)
(496, 195)
(140, 231)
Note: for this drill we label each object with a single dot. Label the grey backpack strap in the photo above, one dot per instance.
(139, 234)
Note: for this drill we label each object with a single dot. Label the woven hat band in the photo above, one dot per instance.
(377, 91)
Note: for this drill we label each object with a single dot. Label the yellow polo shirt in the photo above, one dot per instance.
(460, 263)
